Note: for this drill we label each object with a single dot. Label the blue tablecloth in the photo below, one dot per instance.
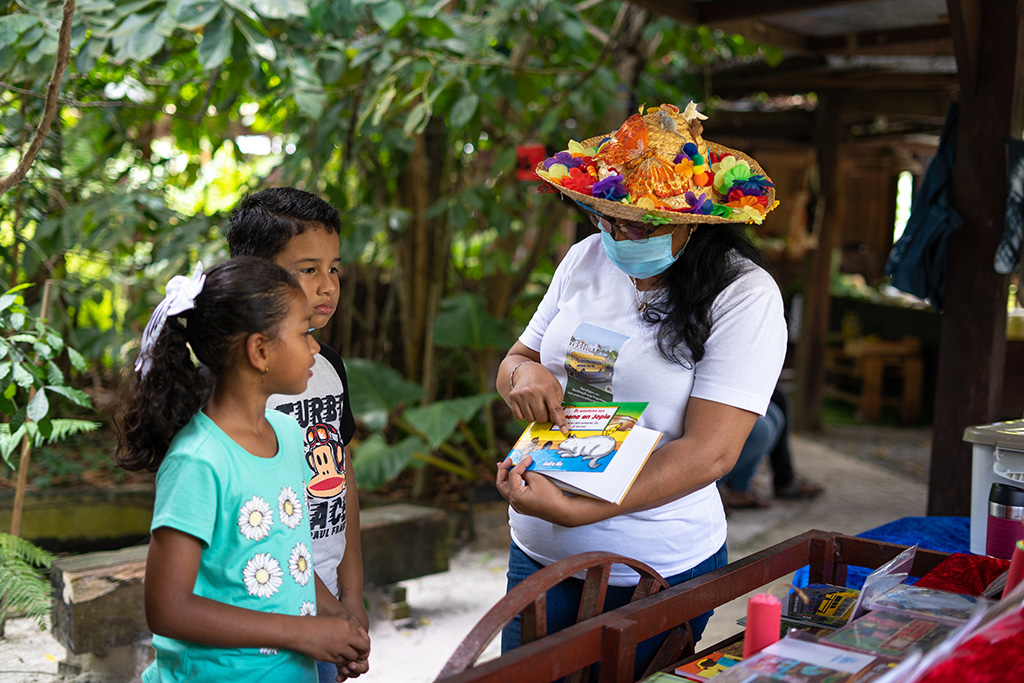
(945, 534)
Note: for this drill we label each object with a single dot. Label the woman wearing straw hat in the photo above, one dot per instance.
(672, 284)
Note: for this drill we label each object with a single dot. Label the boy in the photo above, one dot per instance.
(300, 232)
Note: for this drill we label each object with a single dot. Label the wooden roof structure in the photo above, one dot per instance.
(904, 59)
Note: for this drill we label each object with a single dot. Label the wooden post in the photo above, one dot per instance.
(814, 320)
(988, 38)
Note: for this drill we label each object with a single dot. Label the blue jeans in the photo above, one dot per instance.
(763, 437)
(327, 672)
(564, 602)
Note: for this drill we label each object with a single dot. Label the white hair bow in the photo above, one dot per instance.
(180, 297)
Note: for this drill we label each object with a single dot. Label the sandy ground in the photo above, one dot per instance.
(862, 492)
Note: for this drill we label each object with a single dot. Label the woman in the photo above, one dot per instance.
(671, 282)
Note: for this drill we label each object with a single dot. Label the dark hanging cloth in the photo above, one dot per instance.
(1008, 253)
(917, 262)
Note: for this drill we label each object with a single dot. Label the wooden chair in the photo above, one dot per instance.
(529, 600)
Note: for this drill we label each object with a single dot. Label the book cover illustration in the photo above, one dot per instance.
(601, 455)
(596, 433)
(806, 661)
(661, 677)
(826, 605)
(890, 633)
(954, 608)
(706, 667)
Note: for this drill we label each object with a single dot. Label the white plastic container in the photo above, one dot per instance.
(997, 457)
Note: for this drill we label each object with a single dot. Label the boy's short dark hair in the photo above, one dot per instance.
(263, 222)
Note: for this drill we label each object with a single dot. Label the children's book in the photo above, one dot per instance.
(599, 457)
(662, 677)
(804, 660)
(825, 605)
(709, 666)
(952, 608)
(890, 633)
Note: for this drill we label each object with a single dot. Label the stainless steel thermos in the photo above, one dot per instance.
(1005, 520)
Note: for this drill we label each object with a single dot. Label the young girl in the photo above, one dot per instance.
(230, 590)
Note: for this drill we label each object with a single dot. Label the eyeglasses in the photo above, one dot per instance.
(630, 232)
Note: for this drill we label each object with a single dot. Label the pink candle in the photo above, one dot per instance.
(764, 614)
(1016, 572)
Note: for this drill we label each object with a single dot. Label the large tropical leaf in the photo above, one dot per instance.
(377, 462)
(377, 390)
(463, 323)
(439, 420)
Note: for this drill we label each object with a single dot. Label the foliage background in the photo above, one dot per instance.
(404, 115)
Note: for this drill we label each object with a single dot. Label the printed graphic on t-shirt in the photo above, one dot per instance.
(325, 493)
(590, 363)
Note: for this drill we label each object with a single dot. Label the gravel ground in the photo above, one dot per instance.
(903, 449)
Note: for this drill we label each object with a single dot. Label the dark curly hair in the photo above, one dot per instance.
(240, 297)
(710, 263)
(263, 222)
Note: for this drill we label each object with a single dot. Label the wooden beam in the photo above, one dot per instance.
(989, 38)
(898, 40)
(720, 12)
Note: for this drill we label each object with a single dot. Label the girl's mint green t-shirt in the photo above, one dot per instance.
(250, 515)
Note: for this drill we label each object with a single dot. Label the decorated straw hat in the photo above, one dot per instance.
(656, 168)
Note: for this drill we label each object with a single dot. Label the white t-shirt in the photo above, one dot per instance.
(325, 415)
(590, 310)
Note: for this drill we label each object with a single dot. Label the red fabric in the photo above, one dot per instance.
(989, 657)
(964, 573)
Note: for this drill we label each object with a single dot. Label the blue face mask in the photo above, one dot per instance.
(640, 259)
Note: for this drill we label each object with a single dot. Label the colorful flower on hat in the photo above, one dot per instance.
(578, 180)
(610, 188)
(738, 197)
(698, 204)
(577, 149)
(684, 168)
(554, 172)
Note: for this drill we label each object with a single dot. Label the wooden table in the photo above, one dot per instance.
(868, 362)
(611, 638)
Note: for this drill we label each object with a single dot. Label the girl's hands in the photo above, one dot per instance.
(337, 639)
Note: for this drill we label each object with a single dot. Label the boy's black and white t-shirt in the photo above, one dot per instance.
(324, 413)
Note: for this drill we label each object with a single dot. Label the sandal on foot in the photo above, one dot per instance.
(739, 500)
(800, 488)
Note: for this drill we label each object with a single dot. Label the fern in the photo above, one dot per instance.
(61, 429)
(24, 586)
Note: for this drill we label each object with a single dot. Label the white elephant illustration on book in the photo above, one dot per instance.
(590, 448)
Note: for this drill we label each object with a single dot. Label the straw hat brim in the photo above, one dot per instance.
(629, 212)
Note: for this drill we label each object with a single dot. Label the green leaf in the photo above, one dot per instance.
(377, 390)
(194, 14)
(38, 406)
(388, 14)
(439, 420)
(77, 360)
(76, 396)
(376, 462)
(463, 323)
(218, 37)
(311, 103)
(417, 119)
(145, 41)
(22, 377)
(463, 110)
(261, 45)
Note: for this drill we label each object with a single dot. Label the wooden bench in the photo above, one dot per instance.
(611, 638)
(867, 362)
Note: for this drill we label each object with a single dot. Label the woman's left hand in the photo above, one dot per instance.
(532, 494)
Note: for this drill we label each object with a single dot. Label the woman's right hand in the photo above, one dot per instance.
(535, 395)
